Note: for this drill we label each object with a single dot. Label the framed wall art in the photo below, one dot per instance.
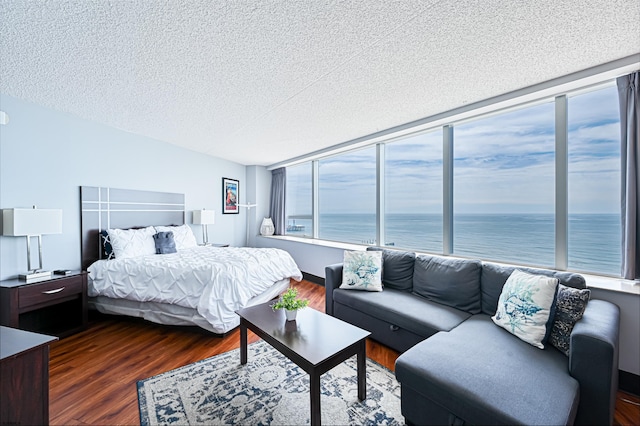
(230, 196)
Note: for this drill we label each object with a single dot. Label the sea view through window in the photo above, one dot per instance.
(503, 188)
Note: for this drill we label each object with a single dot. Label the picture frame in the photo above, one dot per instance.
(230, 196)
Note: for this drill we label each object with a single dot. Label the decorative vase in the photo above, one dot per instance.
(267, 227)
(291, 315)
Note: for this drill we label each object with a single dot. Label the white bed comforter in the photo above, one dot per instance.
(214, 281)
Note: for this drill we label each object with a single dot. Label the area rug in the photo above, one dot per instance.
(268, 390)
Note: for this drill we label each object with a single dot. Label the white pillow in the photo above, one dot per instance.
(525, 305)
(132, 242)
(182, 235)
(362, 270)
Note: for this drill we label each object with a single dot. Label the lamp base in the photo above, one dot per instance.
(35, 275)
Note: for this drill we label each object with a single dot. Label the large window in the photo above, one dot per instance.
(299, 201)
(594, 182)
(492, 189)
(504, 186)
(347, 197)
(413, 192)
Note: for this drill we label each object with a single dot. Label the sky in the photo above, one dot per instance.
(503, 163)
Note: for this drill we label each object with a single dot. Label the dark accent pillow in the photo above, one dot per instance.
(451, 282)
(165, 243)
(397, 268)
(493, 277)
(105, 243)
(570, 306)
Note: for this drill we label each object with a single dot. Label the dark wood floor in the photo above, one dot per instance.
(93, 374)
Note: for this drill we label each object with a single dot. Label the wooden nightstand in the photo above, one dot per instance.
(56, 305)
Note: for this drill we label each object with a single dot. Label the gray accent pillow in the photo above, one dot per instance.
(451, 282)
(397, 268)
(165, 243)
(570, 306)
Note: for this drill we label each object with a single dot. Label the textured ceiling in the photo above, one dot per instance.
(259, 82)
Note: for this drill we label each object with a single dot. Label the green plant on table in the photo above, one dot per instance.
(289, 301)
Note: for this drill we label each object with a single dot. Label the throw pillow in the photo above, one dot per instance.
(132, 242)
(165, 243)
(362, 270)
(107, 250)
(525, 305)
(570, 306)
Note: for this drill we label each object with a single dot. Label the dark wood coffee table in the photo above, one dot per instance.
(316, 342)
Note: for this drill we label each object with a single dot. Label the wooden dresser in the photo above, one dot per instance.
(24, 368)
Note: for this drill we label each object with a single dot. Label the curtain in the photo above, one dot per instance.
(278, 190)
(630, 145)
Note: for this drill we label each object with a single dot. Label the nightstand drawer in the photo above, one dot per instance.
(50, 291)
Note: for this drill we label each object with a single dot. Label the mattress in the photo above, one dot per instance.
(212, 281)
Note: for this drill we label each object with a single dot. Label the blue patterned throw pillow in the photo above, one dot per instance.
(570, 305)
(362, 270)
(525, 306)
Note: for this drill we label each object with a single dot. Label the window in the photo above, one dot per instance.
(347, 197)
(504, 187)
(299, 201)
(413, 192)
(594, 182)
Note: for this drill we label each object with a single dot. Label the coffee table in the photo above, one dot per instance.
(316, 342)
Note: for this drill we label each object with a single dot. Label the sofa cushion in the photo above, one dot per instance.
(525, 307)
(405, 310)
(451, 282)
(483, 375)
(570, 306)
(494, 276)
(397, 268)
(362, 271)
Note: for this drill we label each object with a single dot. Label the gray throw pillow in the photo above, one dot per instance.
(451, 282)
(397, 268)
(165, 243)
(570, 306)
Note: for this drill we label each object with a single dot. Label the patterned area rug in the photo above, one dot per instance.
(268, 390)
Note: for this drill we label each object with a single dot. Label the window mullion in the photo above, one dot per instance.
(380, 191)
(314, 198)
(447, 189)
(562, 192)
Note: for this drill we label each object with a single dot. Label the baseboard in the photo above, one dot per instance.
(629, 382)
(313, 278)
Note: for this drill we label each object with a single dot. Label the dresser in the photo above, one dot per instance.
(56, 305)
(24, 368)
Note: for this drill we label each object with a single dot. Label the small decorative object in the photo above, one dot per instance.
(230, 196)
(290, 303)
(267, 227)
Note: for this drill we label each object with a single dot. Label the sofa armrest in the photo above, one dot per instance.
(593, 361)
(332, 280)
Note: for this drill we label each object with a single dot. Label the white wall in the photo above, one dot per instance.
(45, 156)
(312, 258)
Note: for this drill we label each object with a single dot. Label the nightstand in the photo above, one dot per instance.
(56, 305)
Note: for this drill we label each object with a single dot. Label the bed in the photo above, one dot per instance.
(190, 284)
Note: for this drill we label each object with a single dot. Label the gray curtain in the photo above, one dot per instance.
(278, 190)
(630, 155)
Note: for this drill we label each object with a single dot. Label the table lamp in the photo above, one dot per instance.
(204, 217)
(32, 223)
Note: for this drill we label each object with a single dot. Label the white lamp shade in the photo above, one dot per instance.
(21, 222)
(204, 217)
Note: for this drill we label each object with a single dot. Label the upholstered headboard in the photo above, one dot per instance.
(103, 208)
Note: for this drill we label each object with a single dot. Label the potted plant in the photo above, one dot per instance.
(290, 303)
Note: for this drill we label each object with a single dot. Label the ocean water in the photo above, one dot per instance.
(594, 239)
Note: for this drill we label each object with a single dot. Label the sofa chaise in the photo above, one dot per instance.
(458, 367)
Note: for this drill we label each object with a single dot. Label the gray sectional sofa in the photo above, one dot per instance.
(457, 367)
